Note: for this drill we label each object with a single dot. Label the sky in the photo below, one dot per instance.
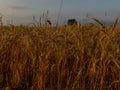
(22, 11)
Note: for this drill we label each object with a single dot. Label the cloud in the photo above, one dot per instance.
(20, 7)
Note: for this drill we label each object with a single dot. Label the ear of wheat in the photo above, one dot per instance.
(98, 21)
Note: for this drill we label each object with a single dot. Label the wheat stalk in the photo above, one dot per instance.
(114, 24)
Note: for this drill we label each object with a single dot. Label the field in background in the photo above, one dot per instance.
(60, 58)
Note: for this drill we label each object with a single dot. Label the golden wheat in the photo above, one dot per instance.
(60, 58)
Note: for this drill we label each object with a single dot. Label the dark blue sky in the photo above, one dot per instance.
(23, 10)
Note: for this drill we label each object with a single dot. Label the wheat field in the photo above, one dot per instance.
(84, 57)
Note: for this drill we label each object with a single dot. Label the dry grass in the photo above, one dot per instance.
(60, 58)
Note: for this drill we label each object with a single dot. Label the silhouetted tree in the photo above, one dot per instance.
(72, 22)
